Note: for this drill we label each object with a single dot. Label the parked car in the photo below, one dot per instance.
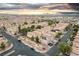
(19, 40)
(32, 48)
(50, 44)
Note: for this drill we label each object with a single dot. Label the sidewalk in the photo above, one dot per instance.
(35, 48)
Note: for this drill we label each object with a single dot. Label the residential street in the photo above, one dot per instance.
(20, 48)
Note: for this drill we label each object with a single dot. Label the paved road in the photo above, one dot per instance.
(20, 48)
(55, 49)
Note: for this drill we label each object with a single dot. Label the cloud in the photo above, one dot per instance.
(74, 6)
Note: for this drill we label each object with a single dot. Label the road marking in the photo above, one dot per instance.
(9, 53)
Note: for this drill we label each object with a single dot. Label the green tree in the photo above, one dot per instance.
(33, 21)
(2, 45)
(29, 29)
(57, 21)
(25, 23)
(58, 35)
(15, 33)
(64, 48)
(14, 24)
(4, 28)
(50, 22)
(76, 26)
(33, 26)
(32, 38)
(37, 39)
(68, 27)
(23, 31)
(19, 28)
(38, 27)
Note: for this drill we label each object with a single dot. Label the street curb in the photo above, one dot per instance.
(34, 48)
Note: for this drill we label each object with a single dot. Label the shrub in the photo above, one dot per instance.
(39, 27)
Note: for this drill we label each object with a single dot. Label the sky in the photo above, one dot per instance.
(7, 6)
(35, 8)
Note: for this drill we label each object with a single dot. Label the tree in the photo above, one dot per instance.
(73, 35)
(32, 27)
(25, 23)
(39, 21)
(29, 29)
(15, 33)
(23, 31)
(32, 38)
(3, 28)
(2, 45)
(14, 24)
(39, 27)
(75, 29)
(58, 34)
(68, 27)
(50, 22)
(57, 21)
(76, 26)
(54, 21)
(72, 38)
(37, 39)
(65, 48)
(33, 21)
(19, 28)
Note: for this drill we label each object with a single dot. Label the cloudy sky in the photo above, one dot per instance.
(7, 6)
(40, 8)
